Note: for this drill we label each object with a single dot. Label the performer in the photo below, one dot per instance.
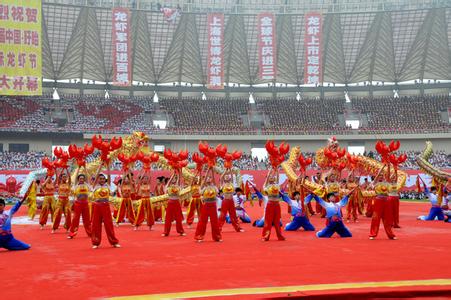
(195, 204)
(174, 209)
(382, 209)
(81, 192)
(158, 191)
(7, 239)
(228, 204)
(435, 211)
(101, 212)
(209, 193)
(239, 200)
(353, 204)
(32, 196)
(262, 199)
(126, 189)
(145, 210)
(445, 207)
(272, 210)
(299, 216)
(318, 179)
(48, 206)
(370, 200)
(393, 199)
(334, 223)
(63, 205)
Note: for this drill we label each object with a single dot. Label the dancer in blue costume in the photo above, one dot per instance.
(7, 239)
(299, 218)
(334, 223)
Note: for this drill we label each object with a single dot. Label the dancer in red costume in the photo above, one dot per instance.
(209, 193)
(159, 190)
(145, 207)
(101, 212)
(126, 188)
(393, 199)
(318, 179)
(174, 208)
(81, 191)
(195, 205)
(370, 200)
(48, 206)
(272, 210)
(228, 205)
(353, 204)
(382, 210)
(63, 205)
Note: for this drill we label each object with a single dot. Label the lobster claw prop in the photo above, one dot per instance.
(276, 154)
(199, 160)
(49, 165)
(176, 160)
(304, 162)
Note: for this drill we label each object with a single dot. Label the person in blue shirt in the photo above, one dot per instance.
(436, 211)
(299, 218)
(334, 223)
(7, 239)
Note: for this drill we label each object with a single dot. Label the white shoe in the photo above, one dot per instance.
(135, 228)
(116, 246)
(95, 247)
(182, 234)
(241, 230)
(372, 237)
(53, 231)
(199, 241)
(163, 234)
(42, 227)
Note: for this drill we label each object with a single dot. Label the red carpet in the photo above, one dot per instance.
(147, 263)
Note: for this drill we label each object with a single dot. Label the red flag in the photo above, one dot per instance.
(418, 184)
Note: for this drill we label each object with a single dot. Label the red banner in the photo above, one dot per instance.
(267, 46)
(121, 47)
(215, 72)
(312, 46)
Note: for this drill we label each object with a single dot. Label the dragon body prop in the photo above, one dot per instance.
(364, 165)
(423, 162)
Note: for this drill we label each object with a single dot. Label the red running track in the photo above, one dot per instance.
(147, 263)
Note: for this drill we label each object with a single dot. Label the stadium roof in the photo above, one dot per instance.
(389, 46)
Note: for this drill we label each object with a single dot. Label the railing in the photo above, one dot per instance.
(276, 6)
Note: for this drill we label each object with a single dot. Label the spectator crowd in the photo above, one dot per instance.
(193, 115)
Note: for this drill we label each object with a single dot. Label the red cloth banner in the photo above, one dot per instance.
(215, 72)
(267, 46)
(121, 47)
(312, 46)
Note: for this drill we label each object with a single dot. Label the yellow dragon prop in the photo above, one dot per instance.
(364, 164)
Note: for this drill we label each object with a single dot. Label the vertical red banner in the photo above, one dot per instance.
(312, 46)
(267, 46)
(121, 47)
(215, 72)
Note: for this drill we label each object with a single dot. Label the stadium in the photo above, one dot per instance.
(321, 99)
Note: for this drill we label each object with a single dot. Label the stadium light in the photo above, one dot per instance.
(298, 96)
(395, 94)
(55, 95)
(107, 95)
(204, 97)
(251, 99)
(348, 100)
(155, 97)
